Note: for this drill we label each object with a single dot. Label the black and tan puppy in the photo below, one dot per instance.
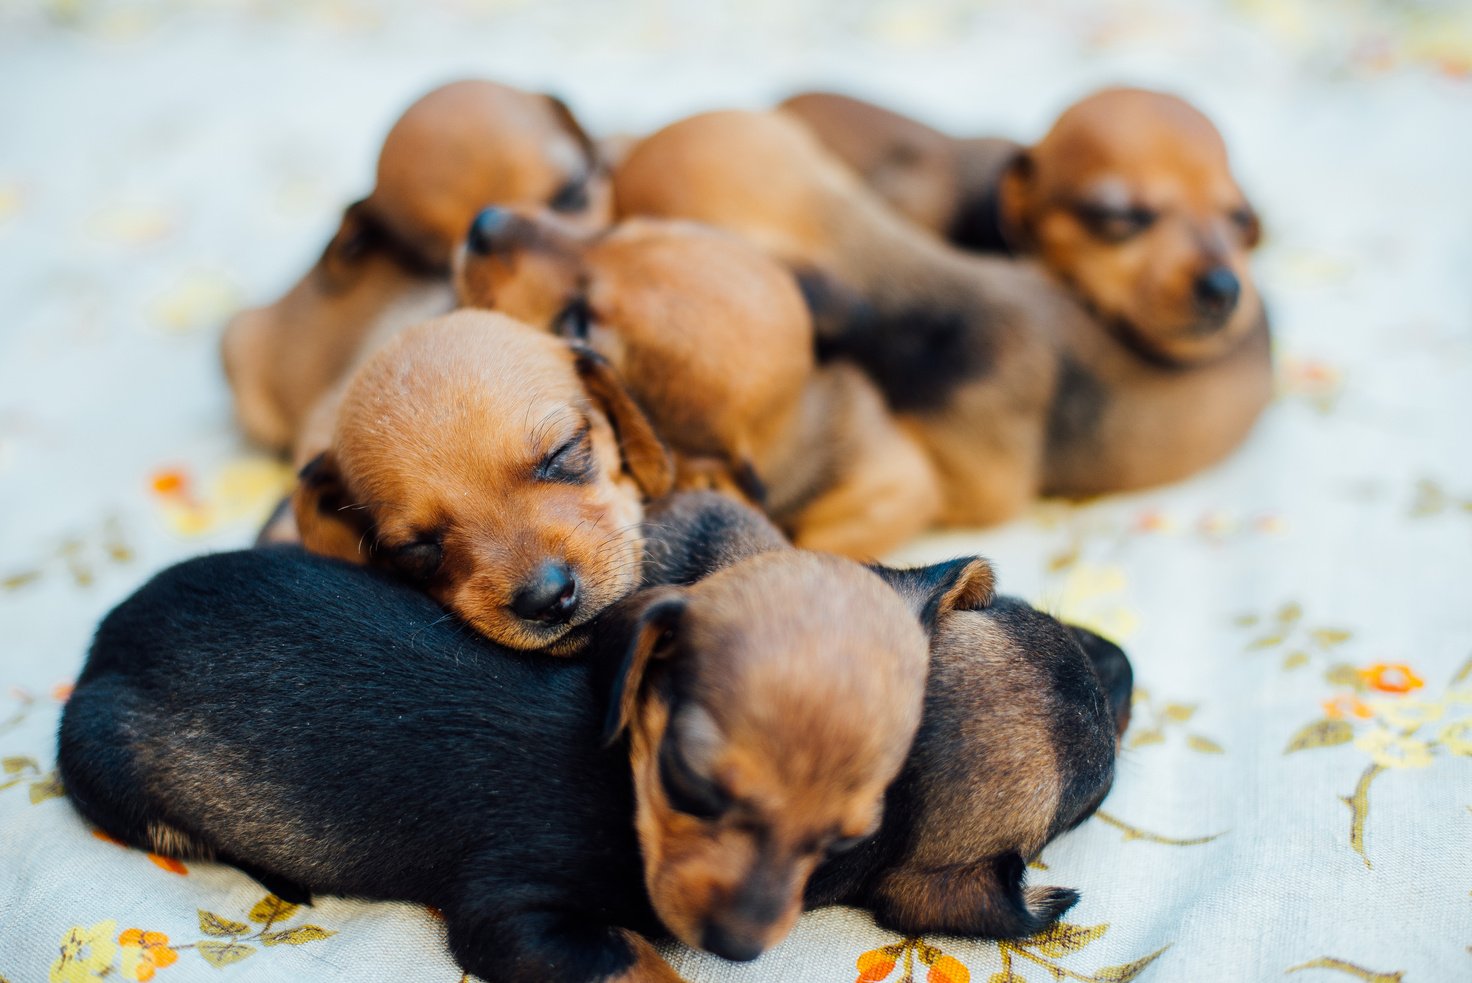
(767, 709)
(1017, 745)
(1014, 385)
(939, 182)
(459, 148)
(713, 340)
(496, 467)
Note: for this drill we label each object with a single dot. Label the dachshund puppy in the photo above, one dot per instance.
(1129, 199)
(1017, 744)
(755, 748)
(946, 185)
(714, 342)
(495, 466)
(1014, 386)
(459, 148)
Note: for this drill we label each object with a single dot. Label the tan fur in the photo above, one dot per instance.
(440, 434)
(926, 175)
(803, 743)
(714, 341)
(459, 148)
(649, 966)
(992, 442)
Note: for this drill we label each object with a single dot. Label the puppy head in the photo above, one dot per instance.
(1130, 199)
(769, 706)
(651, 294)
(454, 151)
(497, 467)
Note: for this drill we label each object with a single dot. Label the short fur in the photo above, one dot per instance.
(715, 342)
(478, 458)
(1017, 745)
(454, 151)
(971, 350)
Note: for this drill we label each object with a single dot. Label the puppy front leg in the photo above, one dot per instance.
(984, 899)
(552, 947)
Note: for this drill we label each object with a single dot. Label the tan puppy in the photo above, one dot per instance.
(1013, 385)
(715, 343)
(752, 768)
(1129, 199)
(459, 148)
(497, 467)
(942, 183)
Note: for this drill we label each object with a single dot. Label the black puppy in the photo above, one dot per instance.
(1017, 744)
(429, 764)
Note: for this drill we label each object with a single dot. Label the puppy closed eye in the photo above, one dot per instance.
(571, 197)
(686, 791)
(420, 559)
(845, 843)
(1114, 224)
(571, 462)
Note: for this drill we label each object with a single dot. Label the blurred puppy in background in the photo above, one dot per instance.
(457, 149)
(1129, 199)
(1015, 387)
(714, 342)
(1022, 721)
(496, 467)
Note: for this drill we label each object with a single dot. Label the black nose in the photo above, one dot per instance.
(492, 228)
(736, 946)
(1217, 290)
(549, 596)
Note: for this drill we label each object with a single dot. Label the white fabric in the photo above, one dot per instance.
(162, 162)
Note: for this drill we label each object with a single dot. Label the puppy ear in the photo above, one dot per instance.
(1013, 190)
(644, 454)
(570, 123)
(964, 584)
(1251, 228)
(1113, 668)
(655, 619)
(326, 521)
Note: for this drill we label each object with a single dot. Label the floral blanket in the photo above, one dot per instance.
(1295, 796)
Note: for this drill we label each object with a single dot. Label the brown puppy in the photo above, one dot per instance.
(459, 148)
(715, 343)
(942, 183)
(1129, 198)
(751, 768)
(1017, 744)
(497, 467)
(1014, 386)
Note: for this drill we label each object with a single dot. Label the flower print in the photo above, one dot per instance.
(1392, 751)
(1347, 705)
(1391, 677)
(86, 953)
(145, 952)
(1407, 714)
(1456, 737)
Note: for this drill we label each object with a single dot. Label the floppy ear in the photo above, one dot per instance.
(649, 631)
(1252, 229)
(1013, 190)
(645, 457)
(325, 520)
(964, 584)
(570, 123)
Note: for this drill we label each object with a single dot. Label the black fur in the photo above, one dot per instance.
(330, 730)
(977, 224)
(1079, 402)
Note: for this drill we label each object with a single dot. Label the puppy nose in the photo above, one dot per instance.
(492, 229)
(736, 946)
(1217, 290)
(550, 596)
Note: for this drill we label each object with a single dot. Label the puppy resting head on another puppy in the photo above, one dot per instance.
(497, 467)
(752, 768)
(1131, 199)
(457, 149)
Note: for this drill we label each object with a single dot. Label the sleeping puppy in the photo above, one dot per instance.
(1014, 386)
(552, 845)
(714, 342)
(496, 467)
(939, 182)
(1129, 199)
(459, 148)
(1017, 744)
